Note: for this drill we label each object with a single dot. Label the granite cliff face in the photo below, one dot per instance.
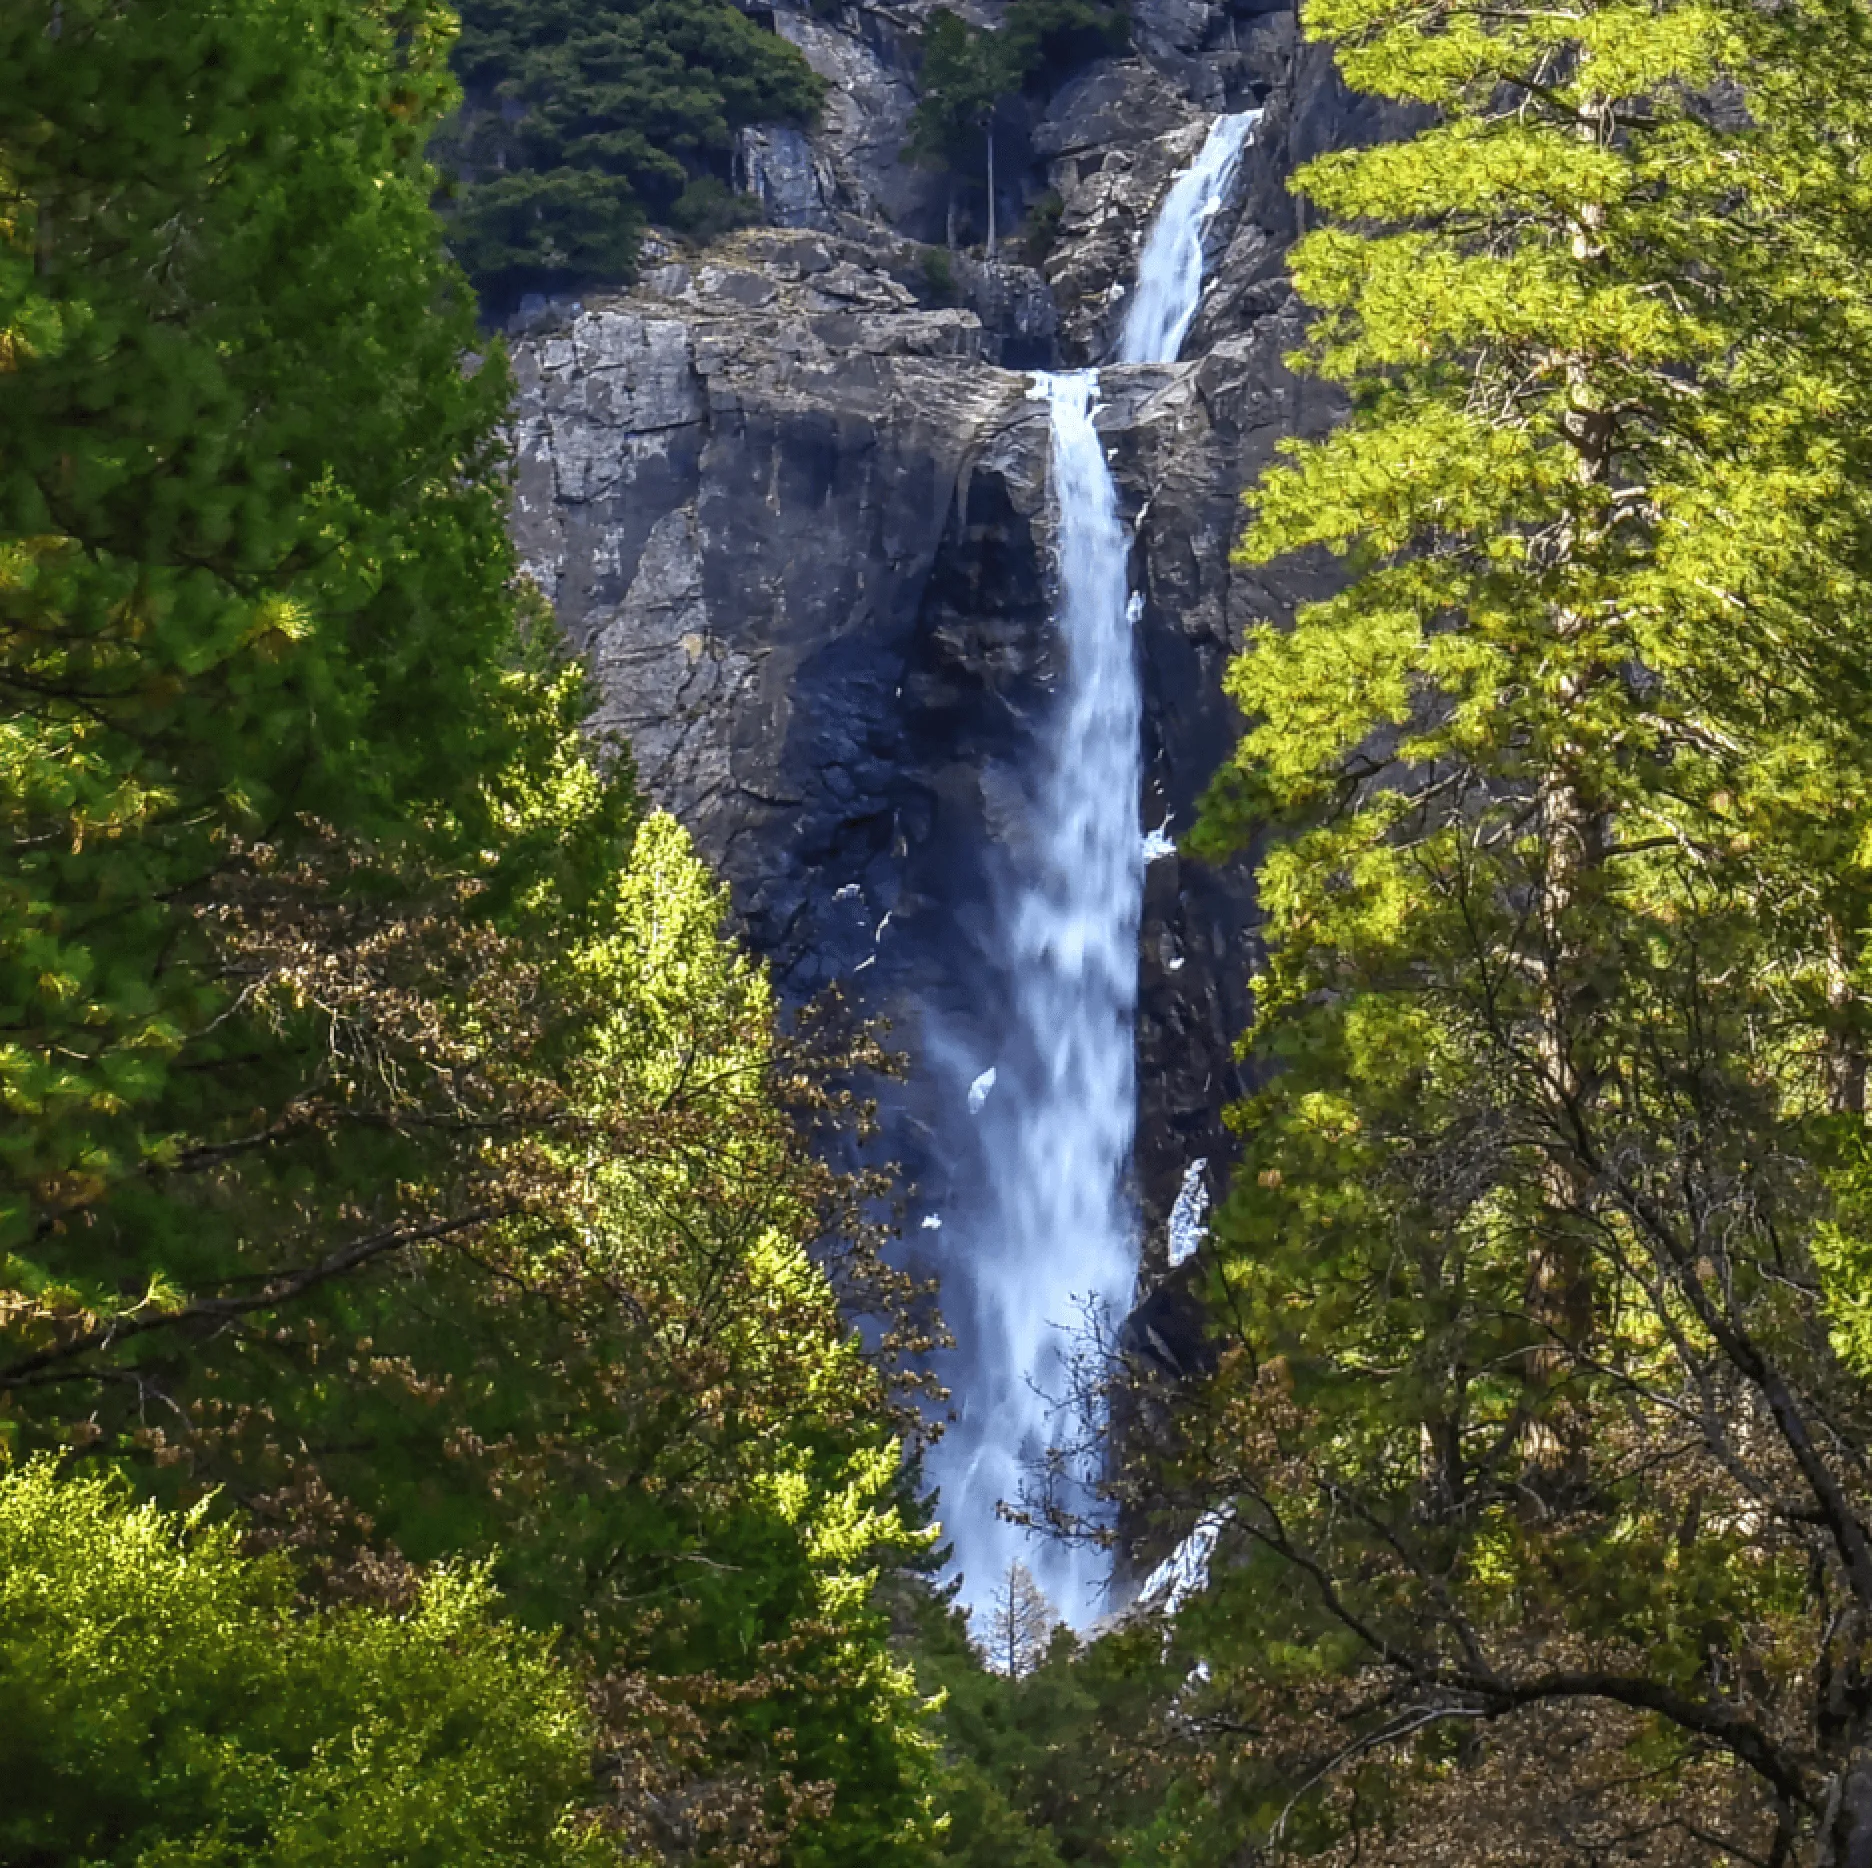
(791, 497)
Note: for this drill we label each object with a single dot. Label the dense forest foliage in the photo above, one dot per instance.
(434, 1426)
(585, 120)
(583, 125)
(1541, 1427)
(167, 1701)
(402, 1176)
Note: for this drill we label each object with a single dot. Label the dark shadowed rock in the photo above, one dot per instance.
(791, 498)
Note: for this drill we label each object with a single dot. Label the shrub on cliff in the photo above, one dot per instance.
(1048, 40)
(586, 121)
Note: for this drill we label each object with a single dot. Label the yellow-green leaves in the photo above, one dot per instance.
(1554, 1166)
(250, 515)
(168, 1706)
(1454, 55)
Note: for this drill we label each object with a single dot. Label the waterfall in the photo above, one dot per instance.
(1059, 1231)
(1056, 1233)
(1170, 272)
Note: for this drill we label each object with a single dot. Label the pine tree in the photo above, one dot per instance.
(1537, 1236)
(251, 525)
(397, 1148)
(1047, 40)
(1020, 1623)
(585, 121)
(1063, 1763)
(968, 73)
(963, 78)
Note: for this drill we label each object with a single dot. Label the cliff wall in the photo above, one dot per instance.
(791, 497)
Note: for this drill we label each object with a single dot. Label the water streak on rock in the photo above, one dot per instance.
(1170, 273)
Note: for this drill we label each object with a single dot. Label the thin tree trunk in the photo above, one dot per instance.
(1846, 1057)
(1574, 837)
(1560, 1282)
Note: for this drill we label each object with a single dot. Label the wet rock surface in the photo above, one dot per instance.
(790, 496)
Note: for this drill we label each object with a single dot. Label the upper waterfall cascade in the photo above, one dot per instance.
(1170, 270)
(1055, 1243)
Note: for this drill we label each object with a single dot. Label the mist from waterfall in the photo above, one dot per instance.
(1054, 1239)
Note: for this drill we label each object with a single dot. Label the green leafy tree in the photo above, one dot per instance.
(1537, 1411)
(967, 74)
(250, 528)
(163, 1701)
(963, 78)
(1067, 1761)
(521, 1275)
(396, 1146)
(585, 122)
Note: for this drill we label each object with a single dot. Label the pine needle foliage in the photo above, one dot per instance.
(586, 122)
(398, 1149)
(250, 524)
(1056, 1763)
(1534, 1412)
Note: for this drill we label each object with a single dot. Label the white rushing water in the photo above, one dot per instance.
(1058, 1237)
(1170, 272)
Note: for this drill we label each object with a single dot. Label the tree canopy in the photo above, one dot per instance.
(1538, 1421)
(400, 1155)
(1045, 41)
(253, 524)
(163, 1701)
(434, 1420)
(583, 122)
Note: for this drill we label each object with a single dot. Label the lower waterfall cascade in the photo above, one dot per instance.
(1053, 1249)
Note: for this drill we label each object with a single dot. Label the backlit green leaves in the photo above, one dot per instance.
(166, 1706)
(1562, 1022)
